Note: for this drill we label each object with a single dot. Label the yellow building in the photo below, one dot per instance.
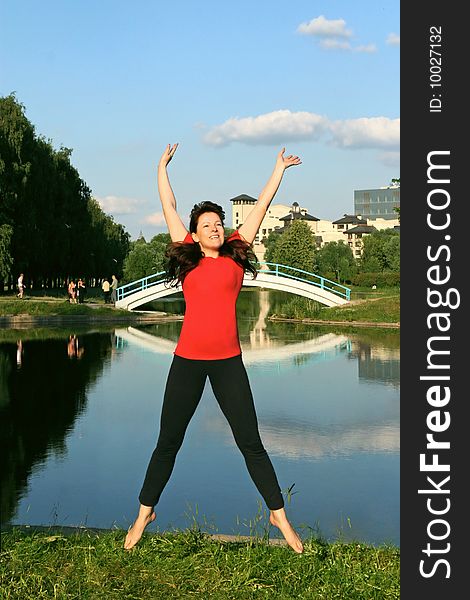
(349, 229)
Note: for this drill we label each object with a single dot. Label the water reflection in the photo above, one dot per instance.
(323, 345)
(376, 362)
(42, 393)
(327, 402)
(376, 352)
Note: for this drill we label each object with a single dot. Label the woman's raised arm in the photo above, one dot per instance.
(249, 228)
(174, 223)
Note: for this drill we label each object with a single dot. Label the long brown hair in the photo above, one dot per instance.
(183, 258)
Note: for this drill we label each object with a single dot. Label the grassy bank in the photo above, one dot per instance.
(371, 307)
(189, 564)
(50, 306)
(381, 307)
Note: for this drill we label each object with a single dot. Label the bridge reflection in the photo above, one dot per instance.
(322, 345)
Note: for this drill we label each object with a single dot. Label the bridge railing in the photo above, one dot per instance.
(271, 268)
(141, 284)
(306, 277)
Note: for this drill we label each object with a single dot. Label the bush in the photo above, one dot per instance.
(298, 308)
(381, 279)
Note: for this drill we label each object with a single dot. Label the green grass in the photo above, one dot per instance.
(189, 564)
(54, 306)
(381, 307)
(382, 310)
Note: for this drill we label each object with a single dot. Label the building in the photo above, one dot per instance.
(297, 214)
(241, 207)
(348, 221)
(353, 227)
(272, 221)
(349, 229)
(355, 238)
(377, 203)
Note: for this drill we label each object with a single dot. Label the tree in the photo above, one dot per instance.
(58, 229)
(146, 258)
(391, 250)
(337, 258)
(6, 260)
(295, 247)
(139, 263)
(159, 244)
(270, 244)
(381, 251)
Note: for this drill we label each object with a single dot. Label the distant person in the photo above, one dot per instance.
(81, 291)
(72, 291)
(211, 270)
(105, 286)
(20, 286)
(114, 286)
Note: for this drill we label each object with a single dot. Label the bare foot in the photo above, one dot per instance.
(137, 529)
(278, 518)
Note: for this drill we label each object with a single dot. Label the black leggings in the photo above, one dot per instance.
(183, 391)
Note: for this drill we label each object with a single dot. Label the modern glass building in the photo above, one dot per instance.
(378, 203)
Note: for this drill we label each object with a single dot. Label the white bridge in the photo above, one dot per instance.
(270, 275)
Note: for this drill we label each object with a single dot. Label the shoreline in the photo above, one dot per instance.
(26, 321)
(30, 321)
(381, 324)
(67, 530)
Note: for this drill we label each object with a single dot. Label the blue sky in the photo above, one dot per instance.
(231, 82)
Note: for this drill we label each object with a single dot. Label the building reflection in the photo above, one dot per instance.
(376, 362)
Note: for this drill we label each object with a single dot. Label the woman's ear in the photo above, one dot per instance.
(195, 237)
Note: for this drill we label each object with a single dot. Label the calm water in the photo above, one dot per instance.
(80, 418)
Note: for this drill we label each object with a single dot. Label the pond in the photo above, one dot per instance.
(80, 412)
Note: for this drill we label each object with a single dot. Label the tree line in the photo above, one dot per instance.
(295, 247)
(51, 227)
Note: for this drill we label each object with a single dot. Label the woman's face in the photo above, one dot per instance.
(209, 231)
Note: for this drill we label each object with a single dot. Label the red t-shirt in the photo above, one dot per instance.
(211, 289)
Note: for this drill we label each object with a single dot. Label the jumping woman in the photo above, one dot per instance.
(211, 271)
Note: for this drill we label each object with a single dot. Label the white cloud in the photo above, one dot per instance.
(393, 39)
(322, 27)
(115, 205)
(280, 127)
(271, 128)
(370, 48)
(334, 44)
(332, 34)
(373, 132)
(156, 219)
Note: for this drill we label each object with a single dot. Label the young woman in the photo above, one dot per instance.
(211, 270)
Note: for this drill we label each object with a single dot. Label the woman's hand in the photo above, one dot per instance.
(251, 225)
(167, 155)
(287, 161)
